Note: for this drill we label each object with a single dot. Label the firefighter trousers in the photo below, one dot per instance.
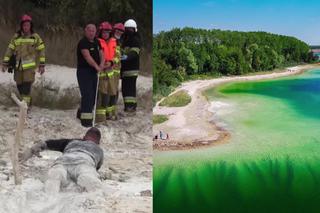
(24, 89)
(113, 79)
(129, 91)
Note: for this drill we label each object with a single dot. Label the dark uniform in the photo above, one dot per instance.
(129, 69)
(87, 79)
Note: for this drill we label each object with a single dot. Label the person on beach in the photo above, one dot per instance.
(80, 161)
(25, 52)
(90, 62)
(113, 88)
(130, 65)
(106, 41)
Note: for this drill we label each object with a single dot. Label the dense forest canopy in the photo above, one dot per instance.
(181, 53)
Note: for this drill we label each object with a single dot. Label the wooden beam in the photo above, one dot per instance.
(15, 146)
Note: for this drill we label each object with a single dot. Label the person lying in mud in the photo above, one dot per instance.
(80, 161)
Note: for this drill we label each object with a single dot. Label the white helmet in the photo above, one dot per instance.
(131, 23)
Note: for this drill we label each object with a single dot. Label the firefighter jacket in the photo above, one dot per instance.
(29, 51)
(131, 48)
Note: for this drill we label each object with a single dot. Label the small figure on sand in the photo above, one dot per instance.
(161, 136)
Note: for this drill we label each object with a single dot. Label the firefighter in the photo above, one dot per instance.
(26, 52)
(104, 37)
(130, 65)
(114, 45)
(90, 62)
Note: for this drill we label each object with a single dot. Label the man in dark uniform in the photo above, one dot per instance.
(90, 62)
(130, 65)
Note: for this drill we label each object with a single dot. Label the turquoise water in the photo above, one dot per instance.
(271, 163)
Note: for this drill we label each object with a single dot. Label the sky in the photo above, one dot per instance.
(298, 18)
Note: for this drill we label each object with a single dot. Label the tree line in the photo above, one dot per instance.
(181, 54)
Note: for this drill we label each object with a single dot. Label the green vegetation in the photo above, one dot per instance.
(180, 54)
(277, 185)
(158, 119)
(178, 99)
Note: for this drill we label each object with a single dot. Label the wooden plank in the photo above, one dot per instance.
(18, 139)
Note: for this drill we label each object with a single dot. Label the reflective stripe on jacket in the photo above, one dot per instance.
(29, 51)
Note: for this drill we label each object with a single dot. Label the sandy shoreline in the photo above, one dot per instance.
(192, 126)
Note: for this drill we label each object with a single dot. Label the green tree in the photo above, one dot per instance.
(186, 59)
(184, 52)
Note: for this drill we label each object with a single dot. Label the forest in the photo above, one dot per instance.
(188, 53)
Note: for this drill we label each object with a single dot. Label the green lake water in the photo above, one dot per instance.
(270, 164)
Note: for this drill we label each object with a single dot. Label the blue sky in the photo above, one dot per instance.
(296, 18)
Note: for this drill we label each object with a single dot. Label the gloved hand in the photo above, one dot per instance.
(124, 57)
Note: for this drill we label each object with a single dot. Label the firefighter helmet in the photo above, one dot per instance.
(105, 26)
(119, 26)
(25, 18)
(131, 23)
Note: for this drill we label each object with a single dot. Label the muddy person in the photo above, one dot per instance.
(26, 52)
(80, 161)
(90, 62)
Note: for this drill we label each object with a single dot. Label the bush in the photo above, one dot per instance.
(178, 99)
(158, 119)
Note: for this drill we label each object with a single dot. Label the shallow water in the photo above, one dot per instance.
(271, 163)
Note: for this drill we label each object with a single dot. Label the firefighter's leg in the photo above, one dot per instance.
(28, 79)
(26, 92)
(101, 107)
(124, 90)
(117, 98)
(101, 102)
(108, 107)
(117, 82)
(103, 87)
(113, 107)
(114, 97)
(87, 83)
(129, 93)
(110, 91)
(18, 78)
